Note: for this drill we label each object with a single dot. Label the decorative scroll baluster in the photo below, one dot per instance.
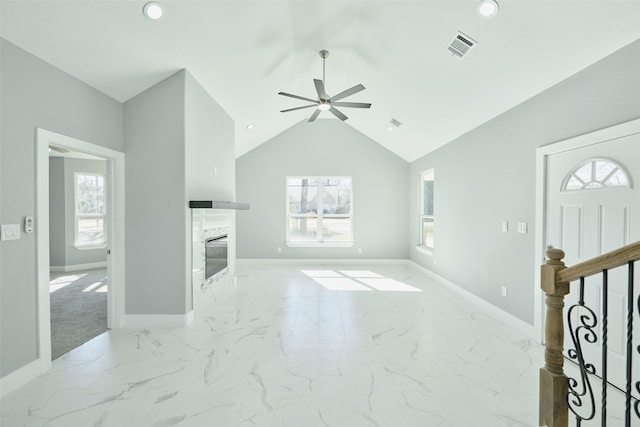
(585, 329)
(553, 381)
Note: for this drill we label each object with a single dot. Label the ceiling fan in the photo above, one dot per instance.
(326, 102)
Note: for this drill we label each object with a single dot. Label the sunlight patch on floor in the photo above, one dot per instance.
(96, 287)
(357, 280)
(62, 281)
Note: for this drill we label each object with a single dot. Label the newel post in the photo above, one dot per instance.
(553, 381)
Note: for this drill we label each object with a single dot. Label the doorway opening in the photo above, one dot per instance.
(78, 285)
(94, 231)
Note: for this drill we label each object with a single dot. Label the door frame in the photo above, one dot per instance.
(115, 233)
(542, 154)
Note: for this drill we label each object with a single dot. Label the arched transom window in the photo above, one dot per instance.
(594, 174)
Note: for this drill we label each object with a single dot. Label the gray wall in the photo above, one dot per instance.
(155, 213)
(57, 222)
(35, 94)
(488, 176)
(325, 147)
(210, 146)
(175, 134)
(64, 220)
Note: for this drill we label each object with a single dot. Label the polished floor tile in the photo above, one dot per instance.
(299, 345)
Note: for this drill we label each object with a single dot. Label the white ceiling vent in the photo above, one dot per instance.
(461, 44)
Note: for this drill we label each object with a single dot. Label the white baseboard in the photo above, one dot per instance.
(488, 308)
(11, 382)
(77, 267)
(249, 261)
(157, 321)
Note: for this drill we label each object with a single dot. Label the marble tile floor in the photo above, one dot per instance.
(301, 345)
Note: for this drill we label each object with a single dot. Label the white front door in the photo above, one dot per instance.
(591, 210)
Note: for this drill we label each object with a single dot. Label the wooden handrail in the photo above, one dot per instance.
(606, 261)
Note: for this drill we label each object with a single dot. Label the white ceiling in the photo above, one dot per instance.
(245, 52)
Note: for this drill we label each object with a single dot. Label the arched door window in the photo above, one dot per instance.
(596, 174)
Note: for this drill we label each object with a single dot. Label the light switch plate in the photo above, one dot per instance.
(522, 227)
(10, 232)
(505, 226)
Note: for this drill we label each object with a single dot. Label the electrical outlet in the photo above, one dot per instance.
(279, 250)
(503, 291)
(359, 250)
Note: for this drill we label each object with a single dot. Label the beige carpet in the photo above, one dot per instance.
(78, 308)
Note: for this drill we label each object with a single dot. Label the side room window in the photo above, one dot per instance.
(426, 209)
(319, 211)
(89, 210)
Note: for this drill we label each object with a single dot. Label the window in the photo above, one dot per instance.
(426, 209)
(90, 210)
(319, 211)
(595, 174)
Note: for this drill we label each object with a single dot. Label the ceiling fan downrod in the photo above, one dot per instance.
(323, 55)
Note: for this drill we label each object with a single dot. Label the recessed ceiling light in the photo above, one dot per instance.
(250, 126)
(390, 128)
(488, 8)
(152, 10)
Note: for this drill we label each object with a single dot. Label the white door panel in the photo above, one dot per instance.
(590, 222)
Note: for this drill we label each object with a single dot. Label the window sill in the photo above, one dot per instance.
(89, 247)
(424, 250)
(319, 244)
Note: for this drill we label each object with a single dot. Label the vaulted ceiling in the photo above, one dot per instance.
(245, 52)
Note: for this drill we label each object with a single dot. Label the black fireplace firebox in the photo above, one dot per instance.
(216, 255)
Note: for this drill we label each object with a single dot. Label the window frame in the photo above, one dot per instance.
(602, 183)
(78, 216)
(320, 215)
(427, 175)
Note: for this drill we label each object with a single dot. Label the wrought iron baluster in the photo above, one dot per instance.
(584, 330)
(605, 327)
(627, 412)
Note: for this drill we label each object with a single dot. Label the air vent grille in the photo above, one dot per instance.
(461, 44)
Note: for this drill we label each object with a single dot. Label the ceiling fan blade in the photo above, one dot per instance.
(299, 108)
(345, 93)
(351, 104)
(320, 89)
(314, 115)
(296, 97)
(338, 114)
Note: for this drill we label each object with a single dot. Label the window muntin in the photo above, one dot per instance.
(427, 209)
(319, 210)
(595, 174)
(89, 210)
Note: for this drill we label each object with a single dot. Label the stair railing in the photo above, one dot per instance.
(560, 395)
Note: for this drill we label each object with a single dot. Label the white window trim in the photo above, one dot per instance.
(88, 246)
(425, 249)
(317, 243)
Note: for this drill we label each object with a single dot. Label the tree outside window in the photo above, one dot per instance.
(90, 210)
(426, 209)
(319, 210)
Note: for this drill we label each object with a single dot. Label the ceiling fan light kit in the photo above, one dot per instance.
(324, 101)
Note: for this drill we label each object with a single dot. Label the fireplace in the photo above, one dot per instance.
(216, 255)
